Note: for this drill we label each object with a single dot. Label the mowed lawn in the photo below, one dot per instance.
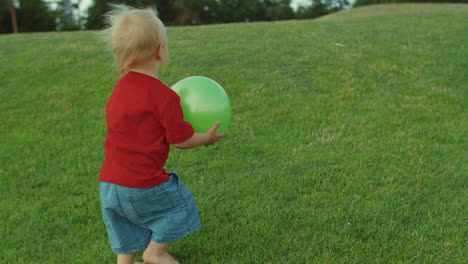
(348, 142)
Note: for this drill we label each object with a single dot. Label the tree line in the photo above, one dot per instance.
(52, 15)
(372, 2)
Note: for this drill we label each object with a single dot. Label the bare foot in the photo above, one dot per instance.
(163, 259)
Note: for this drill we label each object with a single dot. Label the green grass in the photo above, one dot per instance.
(347, 145)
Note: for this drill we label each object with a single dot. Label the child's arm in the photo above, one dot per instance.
(210, 137)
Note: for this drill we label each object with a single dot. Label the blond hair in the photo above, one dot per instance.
(132, 34)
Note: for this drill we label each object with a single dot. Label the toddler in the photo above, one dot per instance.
(143, 206)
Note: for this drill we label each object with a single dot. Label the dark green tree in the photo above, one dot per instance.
(236, 10)
(68, 15)
(225, 11)
(318, 8)
(189, 12)
(274, 10)
(100, 7)
(371, 2)
(34, 16)
(5, 18)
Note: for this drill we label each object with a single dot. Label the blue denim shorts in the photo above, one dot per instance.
(133, 217)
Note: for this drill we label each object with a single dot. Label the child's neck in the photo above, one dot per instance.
(150, 68)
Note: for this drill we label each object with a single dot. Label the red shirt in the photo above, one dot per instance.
(143, 117)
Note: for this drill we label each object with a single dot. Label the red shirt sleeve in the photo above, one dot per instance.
(172, 119)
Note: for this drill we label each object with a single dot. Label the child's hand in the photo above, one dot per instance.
(212, 135)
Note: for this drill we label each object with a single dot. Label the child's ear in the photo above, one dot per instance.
(160, 51)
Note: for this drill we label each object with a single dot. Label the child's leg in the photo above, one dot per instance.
(156, 254)
(125, 258)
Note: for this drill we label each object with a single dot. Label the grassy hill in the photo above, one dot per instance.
(347, 145)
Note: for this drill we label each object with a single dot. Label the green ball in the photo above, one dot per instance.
(203, 102)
